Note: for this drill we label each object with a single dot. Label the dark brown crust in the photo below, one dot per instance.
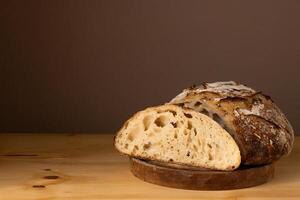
(261, 147)
(263, 137)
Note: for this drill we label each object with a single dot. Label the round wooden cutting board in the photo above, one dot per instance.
(200, 179)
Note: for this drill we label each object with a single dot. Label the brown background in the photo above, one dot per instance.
(86, 66)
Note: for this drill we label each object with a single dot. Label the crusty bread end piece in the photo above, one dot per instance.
(178, 135)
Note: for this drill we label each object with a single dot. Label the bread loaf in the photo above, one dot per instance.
(178, 135)
(258, 126)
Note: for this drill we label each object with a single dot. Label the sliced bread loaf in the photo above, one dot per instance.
(258, 126)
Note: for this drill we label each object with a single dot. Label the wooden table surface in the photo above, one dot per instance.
(86, 166)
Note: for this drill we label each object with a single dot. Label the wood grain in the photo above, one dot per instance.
(85, 166)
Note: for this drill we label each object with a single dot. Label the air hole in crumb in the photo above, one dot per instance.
(175, 135)
(38, 186)
(195, 132)
(188, 154)
(147, 146)
(173, 112)
(133, 134)
(174, 124)
(130, 137)
(133, 151)
(126, 146)
(51, 177)
(185, 132)
(197, 104)
(136, 147)
(146, 122)
(171, 160)
(190, 126)
(209, 145)
(160, 122)
(210, 157)
(188, 115)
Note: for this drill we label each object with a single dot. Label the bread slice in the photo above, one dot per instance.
(173, 134)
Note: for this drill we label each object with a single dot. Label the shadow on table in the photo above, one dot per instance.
(287, 169)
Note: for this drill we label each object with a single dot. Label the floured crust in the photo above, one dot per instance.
(260, 129)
